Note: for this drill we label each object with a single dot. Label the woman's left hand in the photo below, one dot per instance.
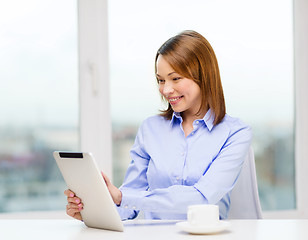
(115, 193)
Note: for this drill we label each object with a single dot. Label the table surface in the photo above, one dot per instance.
(74, 230)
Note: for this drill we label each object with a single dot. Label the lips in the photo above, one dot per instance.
(174, 100)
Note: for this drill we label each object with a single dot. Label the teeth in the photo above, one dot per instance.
(174, 99)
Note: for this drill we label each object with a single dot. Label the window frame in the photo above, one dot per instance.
(95, 116)
(95, 119)
(300, 39)
(301, 84)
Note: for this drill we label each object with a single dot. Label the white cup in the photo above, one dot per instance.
(203, 215)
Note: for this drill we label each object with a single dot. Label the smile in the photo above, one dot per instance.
(174, 100)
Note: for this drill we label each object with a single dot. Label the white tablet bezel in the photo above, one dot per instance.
(84, 178)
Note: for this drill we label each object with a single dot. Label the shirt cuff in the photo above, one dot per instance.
(132, 200)
(126, 214)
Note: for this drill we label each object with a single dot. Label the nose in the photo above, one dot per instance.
(167, 88)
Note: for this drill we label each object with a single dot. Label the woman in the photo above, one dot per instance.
(193, 151)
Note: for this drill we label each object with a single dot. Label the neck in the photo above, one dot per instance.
(189, 118)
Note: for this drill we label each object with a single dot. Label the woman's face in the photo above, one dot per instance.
(183, 94)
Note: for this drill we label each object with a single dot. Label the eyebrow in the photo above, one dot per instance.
(167, 75)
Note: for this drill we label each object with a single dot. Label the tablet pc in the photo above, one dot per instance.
(83, 177)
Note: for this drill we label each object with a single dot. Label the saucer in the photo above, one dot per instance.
(185, 226)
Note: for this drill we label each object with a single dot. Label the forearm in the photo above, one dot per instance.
(172, 199)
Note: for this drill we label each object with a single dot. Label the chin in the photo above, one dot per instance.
(179, 110)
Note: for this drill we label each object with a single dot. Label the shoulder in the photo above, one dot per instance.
(233, 122)
(155, 123)
(235, 125)
(153, 126)
(155, 120)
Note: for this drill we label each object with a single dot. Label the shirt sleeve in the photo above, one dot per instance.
(226, 167)
(217, 181)
(135, 178)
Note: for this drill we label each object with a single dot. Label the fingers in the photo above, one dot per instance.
(107, 181)
(75, 200)
(75, 213)
(71, 197)
(74, 205)
(73, 210)
(104, 176)
(69, 193)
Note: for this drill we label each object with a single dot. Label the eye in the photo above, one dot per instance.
(160, 81)
(176, 78)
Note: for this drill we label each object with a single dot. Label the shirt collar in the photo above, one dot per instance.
(208, 119)
(175, 117)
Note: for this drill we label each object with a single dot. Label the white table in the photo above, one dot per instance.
(75, 230)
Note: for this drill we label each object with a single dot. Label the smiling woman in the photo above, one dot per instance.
(194, 156)
(200, 66)
(256, 64)
(183, 94)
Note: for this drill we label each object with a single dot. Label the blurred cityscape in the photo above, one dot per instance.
(31, 181)
(29, 177)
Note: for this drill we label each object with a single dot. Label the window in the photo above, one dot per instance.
(256, 62)
(39, 97)
(39, 101)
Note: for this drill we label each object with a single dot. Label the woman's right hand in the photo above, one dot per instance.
(74, 205)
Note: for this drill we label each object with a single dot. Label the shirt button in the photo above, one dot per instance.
(134, 207)
(197, 122)
(183, 154)
(177, 178)
(125, 206)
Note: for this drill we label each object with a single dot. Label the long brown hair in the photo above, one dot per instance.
(192, 56)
